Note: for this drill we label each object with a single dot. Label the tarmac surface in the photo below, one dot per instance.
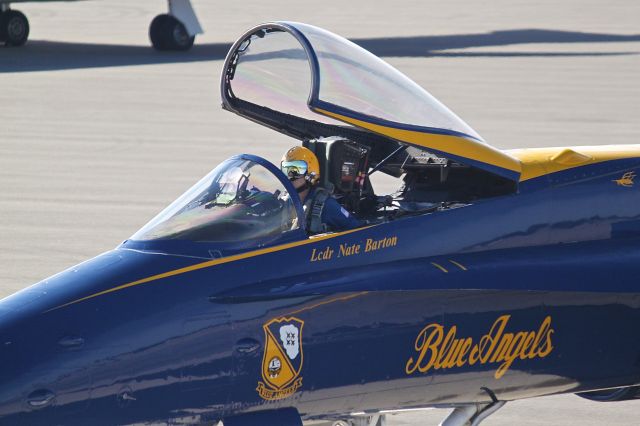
(99, 132)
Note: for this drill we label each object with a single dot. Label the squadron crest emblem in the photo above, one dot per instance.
(282, 358)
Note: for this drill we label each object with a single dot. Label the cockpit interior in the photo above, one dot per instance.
(426, 182)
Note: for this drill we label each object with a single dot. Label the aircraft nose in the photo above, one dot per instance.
(42, 350)
(38, 363)
(53, 349)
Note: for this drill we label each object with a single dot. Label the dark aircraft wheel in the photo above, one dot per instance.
(167, 33)
(14, 28)
(157, 32)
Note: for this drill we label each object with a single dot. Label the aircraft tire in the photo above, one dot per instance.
(157, 32)
(168, 33)
(14, 28)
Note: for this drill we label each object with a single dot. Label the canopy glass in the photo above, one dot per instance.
(307, 82)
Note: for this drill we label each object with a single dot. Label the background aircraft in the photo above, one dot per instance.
(175, 30)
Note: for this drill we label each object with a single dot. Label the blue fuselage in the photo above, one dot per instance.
(522, 295)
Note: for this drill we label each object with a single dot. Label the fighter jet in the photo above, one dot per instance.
(487, 277)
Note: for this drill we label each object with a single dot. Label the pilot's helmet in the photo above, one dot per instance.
(300, 161)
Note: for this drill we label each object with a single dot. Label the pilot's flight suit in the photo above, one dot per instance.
(333, 216)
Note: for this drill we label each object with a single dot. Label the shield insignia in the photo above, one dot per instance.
(282, 358)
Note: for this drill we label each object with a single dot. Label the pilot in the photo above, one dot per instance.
(323, 213)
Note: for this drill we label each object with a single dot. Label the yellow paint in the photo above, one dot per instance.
(440, 349)
(209, 264)
(352, 249)
(459, 265)
(349, 249)
(318, 255)
(569, 157)
(383, 243)
(626, 180)
(327, 302)
(456, 145)
(440, 267)
(273, 351)
(537, 162)
(280, 378)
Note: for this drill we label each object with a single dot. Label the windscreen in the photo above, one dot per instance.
(239, 200)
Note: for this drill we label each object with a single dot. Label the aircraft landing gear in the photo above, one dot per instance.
(375, 420)
(176, 30)
(14, 27)
(471, 415)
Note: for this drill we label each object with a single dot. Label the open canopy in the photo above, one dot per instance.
(308, 83)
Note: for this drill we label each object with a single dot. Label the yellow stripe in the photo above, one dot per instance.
(538, 162)
(327, 302)
(458, 265)
(440, 267)
(209, 264)
(456, 145)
